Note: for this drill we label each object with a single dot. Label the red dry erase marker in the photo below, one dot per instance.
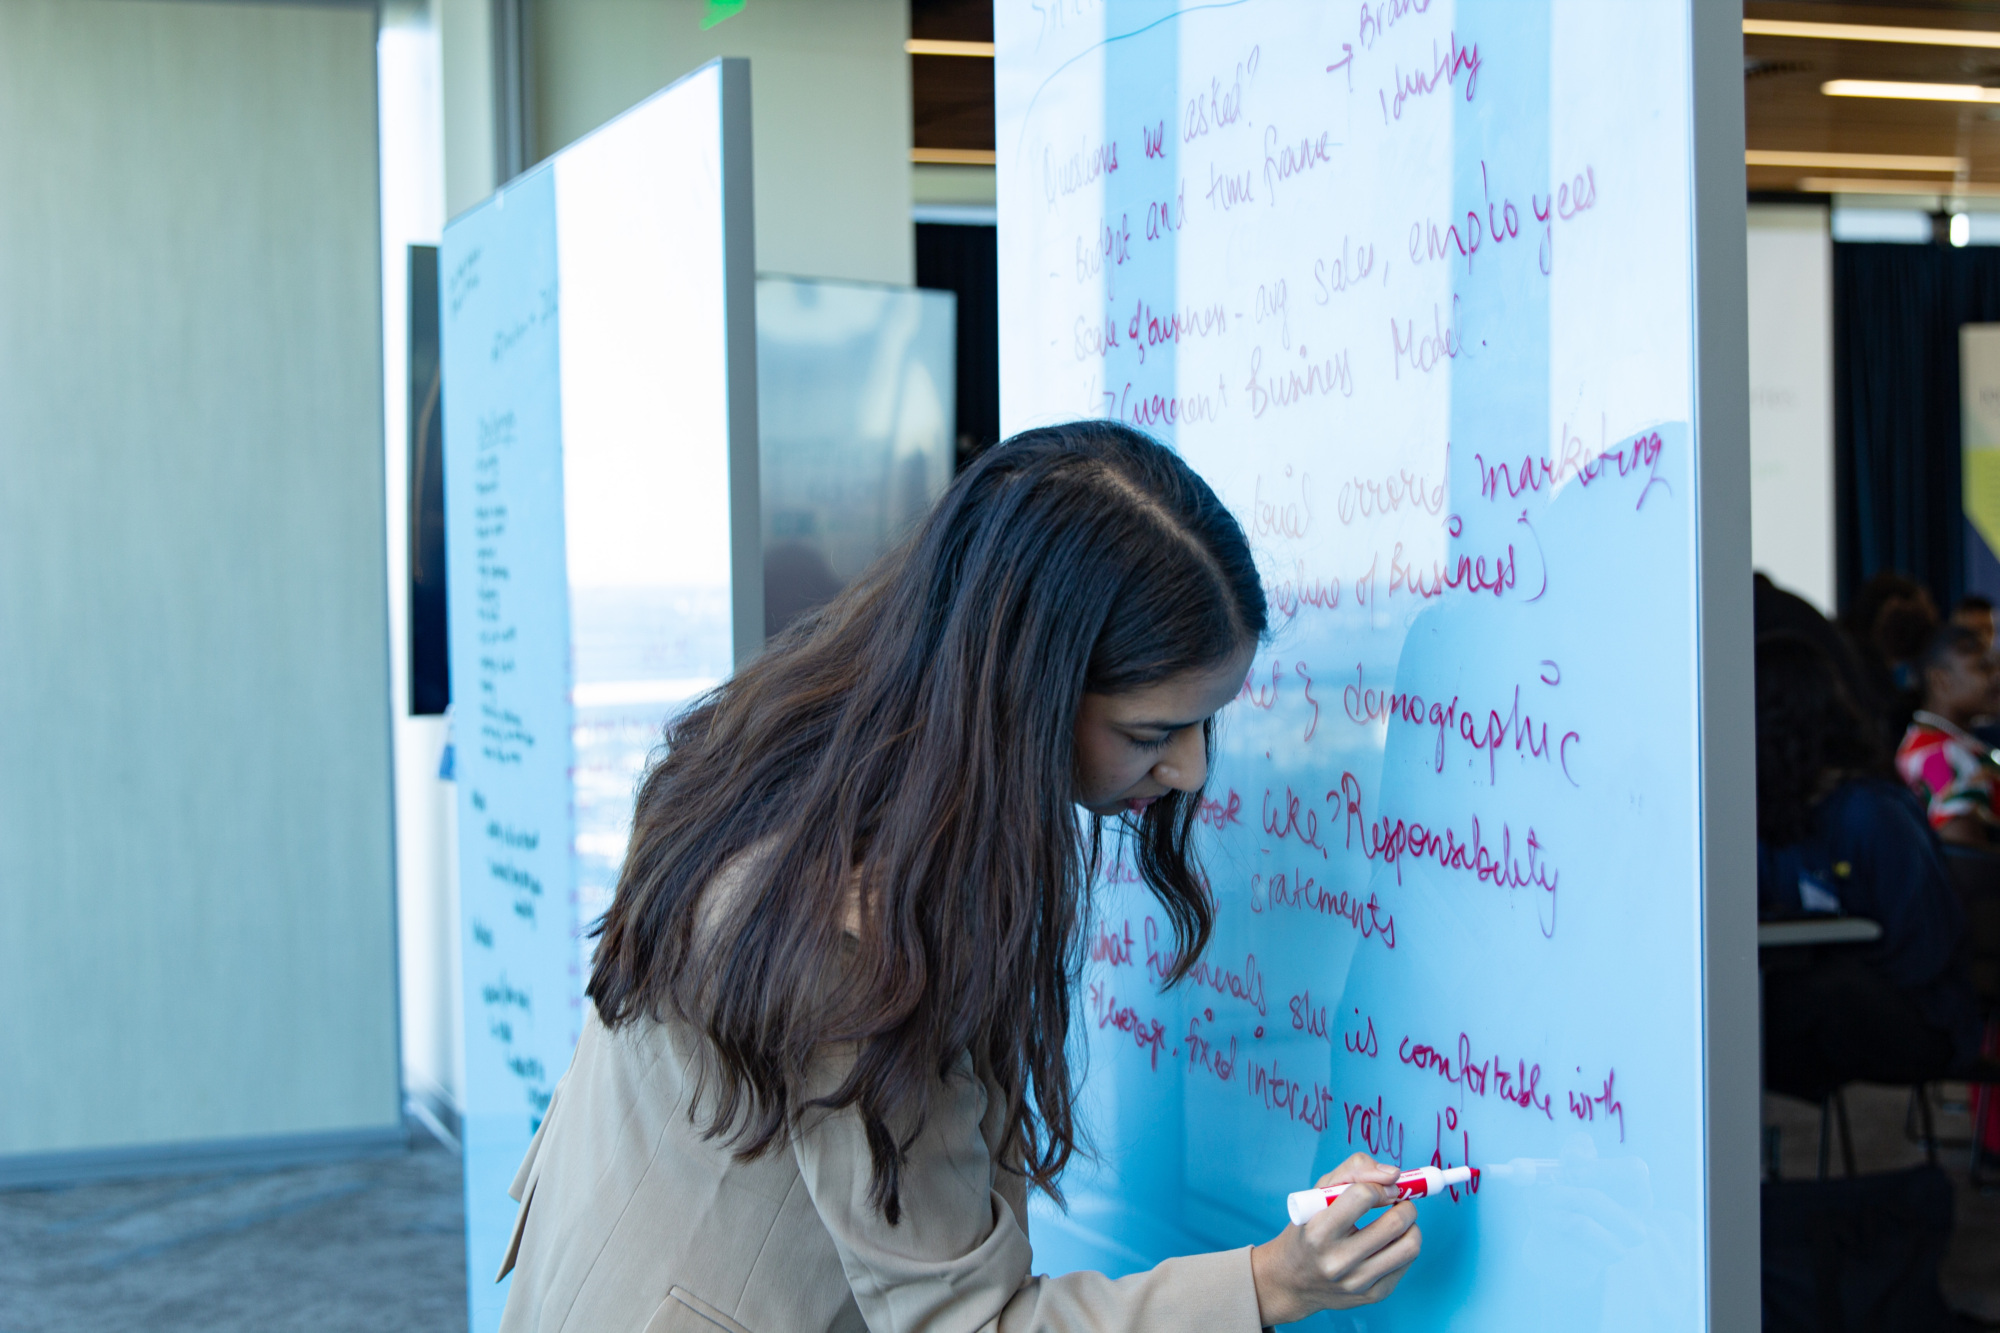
(1418, 1184)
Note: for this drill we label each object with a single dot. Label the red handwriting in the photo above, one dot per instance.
(1149, 1034)
(1380, 1132)
(1570, 198)
(1093, 338)
(1346, 62)
(1260, 696)
(1447, 1122)
(1307, 1104)
(1587, 1107)
(1362, 1041)
(1367, 497)
(1114, 949)
(1284, 161)
(1637, 456)
(1520, 1086)
(1334, 276)
(1204, 1055)
(1365, 704)
(1307, 1019)
(1219, 107)
(1312, 727)
(1378, 18)
(1393, 842)
(1444, 70)
(1289, 596)
(1143, 409)
(1427, 351)
(1084, 167)
(1273, 303)
(1446, 574)
(1226, 192)
(1219, 814)
(1112, 245)
(1286, 518)
(1147, 329)
(1284, 822)
(1155, 137)
(1283, 388)
(1497, 225)
(1247, 985)
(1301, 891)
(1164, 217)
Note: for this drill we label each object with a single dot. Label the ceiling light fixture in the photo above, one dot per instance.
(1884, 185)
(954, 157)
(1916, 92)
(1868, 32)
(924, 46)
(1770, 157)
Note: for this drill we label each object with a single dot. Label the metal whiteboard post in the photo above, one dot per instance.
(739, 286)
(1724, 636)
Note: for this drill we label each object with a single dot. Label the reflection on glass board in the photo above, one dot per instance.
(855, 411)
(1453, 823)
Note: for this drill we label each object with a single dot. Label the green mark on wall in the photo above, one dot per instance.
(718, 10)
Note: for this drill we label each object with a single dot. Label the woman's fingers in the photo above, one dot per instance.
(1343, 1250)
(1344, 1213)
(1388, 1262)
(1359, 1167)
(1380, 1289)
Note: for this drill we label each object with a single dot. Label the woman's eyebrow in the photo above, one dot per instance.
(1159, 726)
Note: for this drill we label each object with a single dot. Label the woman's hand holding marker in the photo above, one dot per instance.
(1327, 1264)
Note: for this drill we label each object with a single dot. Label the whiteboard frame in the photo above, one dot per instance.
(1725, 637)
(739, 299)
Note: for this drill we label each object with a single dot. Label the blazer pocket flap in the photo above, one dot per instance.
(685, 1312)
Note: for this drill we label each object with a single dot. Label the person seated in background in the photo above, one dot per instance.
(1837, 834)
(1942, 761)
(1975, 612)
(1889, 620)
(1775, 609)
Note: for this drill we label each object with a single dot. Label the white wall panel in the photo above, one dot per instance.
(196, 896)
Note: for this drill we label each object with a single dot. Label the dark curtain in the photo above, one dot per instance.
(965, 259)
(1896, 312)
(430, 654)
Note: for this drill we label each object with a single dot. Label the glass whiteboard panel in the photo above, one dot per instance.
(855, 406)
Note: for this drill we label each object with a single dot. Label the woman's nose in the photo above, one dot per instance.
(1184, 766)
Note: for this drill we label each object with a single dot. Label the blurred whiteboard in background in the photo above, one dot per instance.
(855, 410)
(600, 495)
(1791, 400)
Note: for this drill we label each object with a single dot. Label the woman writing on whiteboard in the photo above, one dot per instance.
(827, 1050)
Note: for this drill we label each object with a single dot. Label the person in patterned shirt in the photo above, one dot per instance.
(1956, 773)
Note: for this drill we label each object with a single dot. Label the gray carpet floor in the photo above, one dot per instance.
(374, 1246)
(377, 1245)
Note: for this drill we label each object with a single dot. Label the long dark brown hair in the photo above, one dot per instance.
(908, 752)
(1811, 736)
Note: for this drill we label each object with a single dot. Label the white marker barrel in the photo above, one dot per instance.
(1418, 1184)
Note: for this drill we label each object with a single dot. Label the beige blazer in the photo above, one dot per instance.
(631, 1223)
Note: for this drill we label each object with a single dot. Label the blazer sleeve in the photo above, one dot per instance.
(958, 1259)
